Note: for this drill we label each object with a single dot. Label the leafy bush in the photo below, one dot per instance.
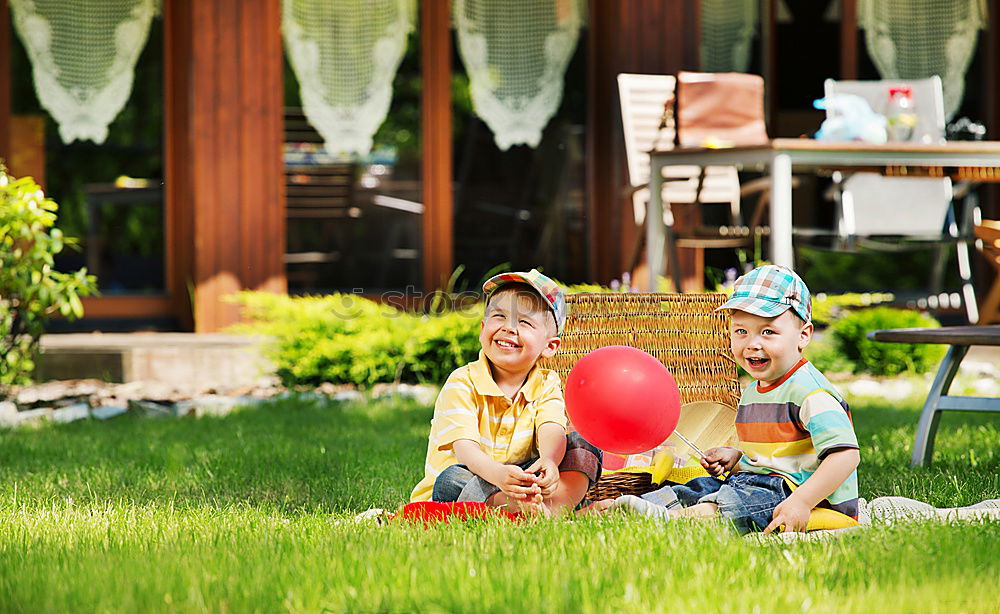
(828, 308)
(867, 270)
(346, 339)
(30, 290)
(826, 355)
(849, 338)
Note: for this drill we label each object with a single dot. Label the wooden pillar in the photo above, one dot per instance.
(769, 45)
(5, 79)
(991, 192)
(849, 39)
(225, 201)
(992, 35)
(604, 172)
(643, 36)
(436, 172)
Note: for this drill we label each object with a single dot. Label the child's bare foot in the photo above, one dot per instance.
(534, 507)
(537, 510)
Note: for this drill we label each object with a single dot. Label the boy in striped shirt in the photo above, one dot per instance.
(498, 435)
(797, 444)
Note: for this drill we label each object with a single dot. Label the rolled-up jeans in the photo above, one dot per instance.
(745, 499)
(457, 483)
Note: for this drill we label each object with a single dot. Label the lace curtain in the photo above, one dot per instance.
(515, 53)
(915, 39)
(728, 28)
(345, 55)
(83, 56)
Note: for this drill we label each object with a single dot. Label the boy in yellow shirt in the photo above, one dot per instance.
(498, 434)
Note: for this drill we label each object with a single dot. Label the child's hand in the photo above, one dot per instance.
(789, 515)
(547, 475)
(720, 460)
(517, 483)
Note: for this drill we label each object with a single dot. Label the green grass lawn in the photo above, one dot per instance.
(252, 512)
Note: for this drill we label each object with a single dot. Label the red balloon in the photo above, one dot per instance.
(622, 400)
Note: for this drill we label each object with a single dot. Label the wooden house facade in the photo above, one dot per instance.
(224, 219)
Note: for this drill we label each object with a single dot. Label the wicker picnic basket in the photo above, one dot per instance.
(683, 331)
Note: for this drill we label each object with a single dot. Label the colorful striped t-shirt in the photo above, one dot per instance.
(788, 428)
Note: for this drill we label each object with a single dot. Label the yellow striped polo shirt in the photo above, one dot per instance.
(472, 406)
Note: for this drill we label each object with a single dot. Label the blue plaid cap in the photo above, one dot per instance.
(769, 291)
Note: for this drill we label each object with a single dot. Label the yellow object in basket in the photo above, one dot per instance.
(683, 475)
(663, 464)
(664, 470)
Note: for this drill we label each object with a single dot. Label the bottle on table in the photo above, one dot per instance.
(900, 114)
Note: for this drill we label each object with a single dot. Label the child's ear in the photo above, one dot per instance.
(551, 347)
(805, 336)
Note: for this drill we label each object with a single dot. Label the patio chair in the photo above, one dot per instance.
(988, 233)
(320, 210)
(647, 103)
(869, 205)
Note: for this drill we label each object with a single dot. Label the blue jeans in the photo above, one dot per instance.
(746, 499)
(457, 483)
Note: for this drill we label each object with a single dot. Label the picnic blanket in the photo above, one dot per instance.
(431, 513)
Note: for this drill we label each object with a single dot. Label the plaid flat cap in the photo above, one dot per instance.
(769, 291)
(548, 289)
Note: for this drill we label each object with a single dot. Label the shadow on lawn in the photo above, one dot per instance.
(292, 458)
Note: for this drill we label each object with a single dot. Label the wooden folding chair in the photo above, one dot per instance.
(647, 103)
(683, 331)
(988, 231)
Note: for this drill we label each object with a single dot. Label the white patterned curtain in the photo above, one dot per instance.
(515, 53)
(345, 54)
(83, 55)
(728, 28)
(916, 39)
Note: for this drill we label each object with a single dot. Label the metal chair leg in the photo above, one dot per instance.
(923, 444)
(969, 214)
(673, 257)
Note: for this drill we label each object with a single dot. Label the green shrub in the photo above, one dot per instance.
(850, 338)
(30, 290)
(346, 339)
(826, 356)
(828, 308)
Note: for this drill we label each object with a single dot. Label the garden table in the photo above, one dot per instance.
(974, 161)
(959, 338)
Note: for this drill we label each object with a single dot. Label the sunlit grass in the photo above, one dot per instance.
(254, 512)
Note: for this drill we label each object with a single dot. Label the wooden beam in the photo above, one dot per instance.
(5, 79)
(770, 63)
(224, 195)
(436, 172)
(178, 213)
(849, 39)
(604, 169)
(127, 306)
(992, 111)
(644, 36)
(992, 35)
(692, 42)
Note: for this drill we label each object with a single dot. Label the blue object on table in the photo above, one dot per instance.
(850, 118)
